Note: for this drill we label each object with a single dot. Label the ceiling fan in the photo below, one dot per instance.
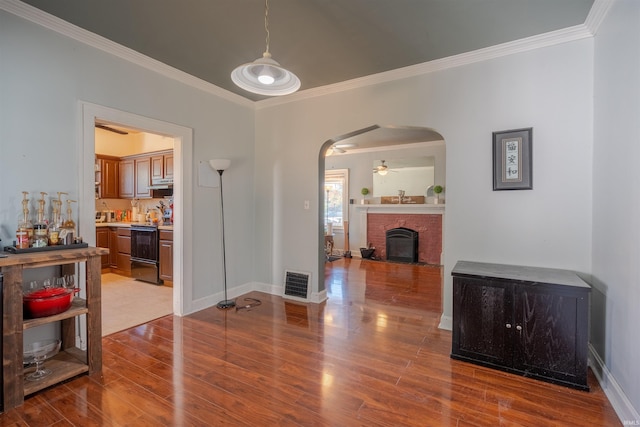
(382, 168)
(111, 129)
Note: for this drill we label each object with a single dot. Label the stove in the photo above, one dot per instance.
(145, 244)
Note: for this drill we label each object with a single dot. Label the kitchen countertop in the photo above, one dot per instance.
(129, 224)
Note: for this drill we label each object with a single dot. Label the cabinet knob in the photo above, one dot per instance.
(519, 328)
(508, 325)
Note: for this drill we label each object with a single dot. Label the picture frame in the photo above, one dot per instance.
(512, 159)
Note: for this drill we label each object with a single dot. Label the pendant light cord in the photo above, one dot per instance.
(266, 22)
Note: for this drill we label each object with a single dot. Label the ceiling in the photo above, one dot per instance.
(322, 41)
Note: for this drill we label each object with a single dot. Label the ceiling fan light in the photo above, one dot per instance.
(382, 172)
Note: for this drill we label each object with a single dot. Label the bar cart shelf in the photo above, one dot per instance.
(71, 360)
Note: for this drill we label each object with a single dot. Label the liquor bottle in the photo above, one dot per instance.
(68, 230)
(24, 233)
(56, 221)
(40, 232)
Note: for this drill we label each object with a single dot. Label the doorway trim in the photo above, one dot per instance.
(182, 188)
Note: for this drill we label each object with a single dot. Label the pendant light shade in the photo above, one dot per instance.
(265, 76)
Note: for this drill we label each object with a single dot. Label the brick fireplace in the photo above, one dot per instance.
(428, 226)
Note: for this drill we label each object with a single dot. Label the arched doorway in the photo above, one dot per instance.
(357, 153)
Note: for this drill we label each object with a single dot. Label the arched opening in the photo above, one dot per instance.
(356, 155)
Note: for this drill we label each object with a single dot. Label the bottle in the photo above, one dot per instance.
(68, 229)
(24, 233)
(56, 221)
(40, 232)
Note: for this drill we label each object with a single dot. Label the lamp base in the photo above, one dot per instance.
(226, 304)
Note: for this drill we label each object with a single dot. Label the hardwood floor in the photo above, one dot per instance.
(372, 355)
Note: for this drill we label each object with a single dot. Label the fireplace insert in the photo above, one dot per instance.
(402, 245)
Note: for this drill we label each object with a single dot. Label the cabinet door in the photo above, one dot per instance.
(143, 177)
(102, 241)
(127, 179)
(168, 166)
(166, 260)
(551, 331)
(109, 179)
(157, 167)
(482, 320)
(113, 247)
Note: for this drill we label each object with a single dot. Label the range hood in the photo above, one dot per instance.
(161, 184)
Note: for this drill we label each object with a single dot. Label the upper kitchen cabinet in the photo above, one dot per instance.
(127, 173)
(161, 167)
(143, 177)
(107, 172)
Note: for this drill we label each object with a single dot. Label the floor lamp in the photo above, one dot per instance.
(220, 165)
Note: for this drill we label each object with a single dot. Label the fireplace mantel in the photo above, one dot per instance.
(402, 209)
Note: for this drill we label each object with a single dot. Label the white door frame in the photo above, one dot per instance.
(182, 188)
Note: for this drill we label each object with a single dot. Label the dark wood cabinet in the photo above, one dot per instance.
(525, 320)
(143, 177)
(102, 241)
(166, 255)
(168, 166)
(109, 177)
(127, 179)
(118, 241)
(157, 167)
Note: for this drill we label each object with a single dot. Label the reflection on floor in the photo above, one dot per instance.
(127, 302)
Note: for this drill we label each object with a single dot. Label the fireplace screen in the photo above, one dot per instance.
(402, 245)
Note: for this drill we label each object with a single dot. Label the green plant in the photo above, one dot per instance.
(364, 191)
(438, 189)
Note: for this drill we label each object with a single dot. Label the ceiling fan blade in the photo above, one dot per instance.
(110, 129)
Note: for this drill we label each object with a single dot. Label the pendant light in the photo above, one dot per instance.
(265, 76)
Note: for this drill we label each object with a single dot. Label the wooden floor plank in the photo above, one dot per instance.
(371, 355)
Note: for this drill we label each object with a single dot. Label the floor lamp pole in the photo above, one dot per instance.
(225, 303)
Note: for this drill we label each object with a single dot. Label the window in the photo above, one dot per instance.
(336, 185)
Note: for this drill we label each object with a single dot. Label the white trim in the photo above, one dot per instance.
(621, 404)
(598, 12)
(182, 189)
(577, 32)
(446, 323)
(65, 28)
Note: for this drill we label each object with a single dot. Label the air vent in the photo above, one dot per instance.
(296, 285)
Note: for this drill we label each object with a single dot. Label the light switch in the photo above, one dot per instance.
(306, 205)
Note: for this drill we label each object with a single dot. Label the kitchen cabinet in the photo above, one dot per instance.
(168, 166)
(166, 255)
(127, 179)
(71, 360)
(123, 261)
(142, 177)
(118, 241)
(102, 241)
(161, 166)
(525, 320)
(108, 176)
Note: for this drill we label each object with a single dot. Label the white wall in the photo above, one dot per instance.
(548, 89)
(616, 208)
(44, 75)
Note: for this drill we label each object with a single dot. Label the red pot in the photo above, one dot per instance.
(47, 302)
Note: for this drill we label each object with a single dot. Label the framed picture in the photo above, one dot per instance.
(512, 164)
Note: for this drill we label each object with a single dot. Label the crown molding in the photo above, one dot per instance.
(598, 12)
(81, 35)
(552, 38)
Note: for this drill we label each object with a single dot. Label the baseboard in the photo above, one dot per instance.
(446, 323)
(621, 404)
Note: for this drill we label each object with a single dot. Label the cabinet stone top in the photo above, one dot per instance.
(518, 273)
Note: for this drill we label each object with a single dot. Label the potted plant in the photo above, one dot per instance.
(364, 192)
(437, 190)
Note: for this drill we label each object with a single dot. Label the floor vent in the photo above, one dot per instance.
(296, 285)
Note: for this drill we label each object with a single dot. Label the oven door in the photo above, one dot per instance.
(145, 271)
